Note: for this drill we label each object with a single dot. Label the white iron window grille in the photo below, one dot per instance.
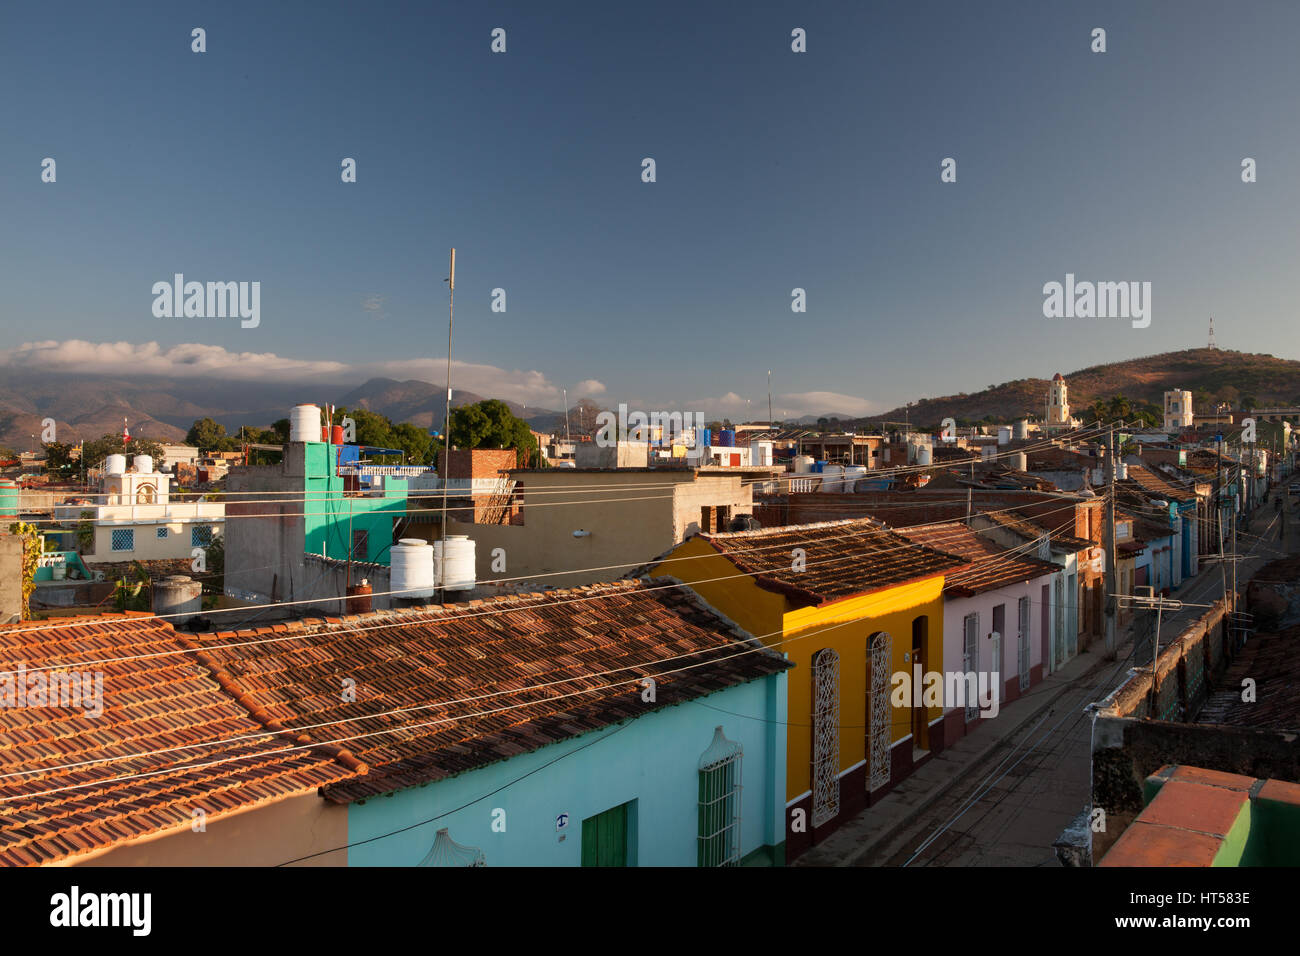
(1024, 643)
(719, 812)
(123, 539)
(1058, 641)
(878, 720)
(826, 736)
(970, 661)
(447, 852)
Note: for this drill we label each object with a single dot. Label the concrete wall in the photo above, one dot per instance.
(328, 578)
(632, 517)
(11, 576)
(651, 761)
(263, 836)
(265, 534)
(148, 546)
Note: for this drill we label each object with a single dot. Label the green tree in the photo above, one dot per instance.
(491, 424)
(94, 452)
(59, 462)
(206, 435)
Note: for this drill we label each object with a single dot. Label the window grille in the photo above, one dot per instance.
(123, 539)
(719, 811)
(826, 736)
(161, 533)
(200, 536)
(878, 709)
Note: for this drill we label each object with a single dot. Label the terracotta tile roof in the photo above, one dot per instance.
(1029, 530)
(842, 559)
(494, 655)
(989, 567)
(1270, 660)
(1158, 485)
(151, 704)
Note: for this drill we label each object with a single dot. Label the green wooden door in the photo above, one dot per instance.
(604, 838)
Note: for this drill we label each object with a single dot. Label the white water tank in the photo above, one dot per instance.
(456, 570)
(1020, 461)
(412, 568)
(1021, 429)
(851, 476)
(803, 464)
(831, 478)
(304, 423)
(143, 464)
(1004, 434)
(115, 465)
(179, 597)
(924, 455)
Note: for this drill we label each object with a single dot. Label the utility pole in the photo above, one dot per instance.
(445, 465)
(1111, 585)
(769, 396)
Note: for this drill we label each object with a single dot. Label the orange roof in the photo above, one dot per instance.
(488, 680)
(158, 703)
(842, 559)
(988, 566)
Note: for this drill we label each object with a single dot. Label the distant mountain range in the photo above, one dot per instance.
(163, 409)
(86, 407)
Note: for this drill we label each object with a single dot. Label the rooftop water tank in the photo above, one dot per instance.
(412, 569)
(831, 478)
(851, 476)
(115, 465)
(179, 595)
(1020, 461)
(1004, 434)
(726, 438)
(456, 570)
(143, 464)
(304, 423)
(803, 464)
(1021, 429)
(924, 455)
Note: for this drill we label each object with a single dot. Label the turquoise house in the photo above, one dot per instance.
(333, 523)
(617, 724)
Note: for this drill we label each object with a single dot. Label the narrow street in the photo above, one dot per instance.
(1007, 809)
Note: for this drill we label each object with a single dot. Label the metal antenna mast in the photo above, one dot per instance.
(445, 465)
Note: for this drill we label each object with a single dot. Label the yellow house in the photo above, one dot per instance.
(851, 604)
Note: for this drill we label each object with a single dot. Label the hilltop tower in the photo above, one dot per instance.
(1212, 345)
(1058, 403)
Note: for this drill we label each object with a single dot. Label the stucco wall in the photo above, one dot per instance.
(263, 836)
(652, 760)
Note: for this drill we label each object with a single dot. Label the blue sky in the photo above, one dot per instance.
(775, 170)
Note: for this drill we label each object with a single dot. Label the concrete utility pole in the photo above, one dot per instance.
(1111, 576)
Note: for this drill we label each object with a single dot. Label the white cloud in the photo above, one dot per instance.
(789, 405)
(150, 358)
(75, 356)
(374, 305)
(588, 387)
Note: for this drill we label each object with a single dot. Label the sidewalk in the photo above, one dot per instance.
(858, 839)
